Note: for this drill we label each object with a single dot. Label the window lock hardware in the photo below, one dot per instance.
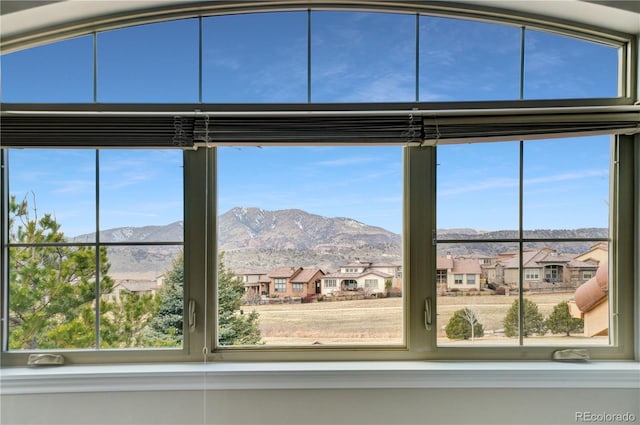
(427, 313)
(192, 315)
(45, 359)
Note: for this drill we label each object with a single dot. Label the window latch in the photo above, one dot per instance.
(427, 313)
(192, 315)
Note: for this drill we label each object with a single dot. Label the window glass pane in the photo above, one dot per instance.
(149, 63)
(362, 57)
(564, 67)
(60, 183)
(478, 188)
(59, 72)
(255, 58)
(142, 304)
(471, 289)
(566, 288)
(467, 60)
(51, 295)
(566, 186)
(312, 244)
(142, 189)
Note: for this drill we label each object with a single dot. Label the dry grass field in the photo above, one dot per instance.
(379, 321)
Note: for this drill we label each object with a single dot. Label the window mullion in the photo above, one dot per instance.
(194, 250)
(420, 257)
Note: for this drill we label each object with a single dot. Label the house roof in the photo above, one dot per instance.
(466, 266)
(137, 285)
(443, 262)
(357, 263)
(542, 257)
(286, 272)
(338, 275)
(306, 275)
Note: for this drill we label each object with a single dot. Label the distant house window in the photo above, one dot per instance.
(457, 279)
(441, 276)
(350, 285)
(280, 285)
(586, 275)
(371, 283)
(330, 283)
(471, 279)
(297, 287)
(532, 274)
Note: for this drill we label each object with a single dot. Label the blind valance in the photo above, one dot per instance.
(189, 129)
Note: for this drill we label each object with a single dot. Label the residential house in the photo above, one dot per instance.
(365, 276)
(255, 282)
(597, 254)
(294, 282)
(135, 286)
(457, 273)
(545, 268)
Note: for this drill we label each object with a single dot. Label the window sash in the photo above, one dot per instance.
(420, 221)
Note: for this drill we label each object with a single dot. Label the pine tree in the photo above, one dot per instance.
(460, 325)
(560, 320)
(52, 289)
(234, 327)
(166, 326)
(533, 320)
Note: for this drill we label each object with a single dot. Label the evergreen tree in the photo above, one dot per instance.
(166, 326)
(234, 327)
(560, 320)
(460, 325)
(533, 320)
(124, 322)
(52, 289)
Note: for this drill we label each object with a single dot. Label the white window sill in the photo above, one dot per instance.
(319, 375)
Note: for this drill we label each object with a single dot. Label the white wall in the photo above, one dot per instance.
(380, 406)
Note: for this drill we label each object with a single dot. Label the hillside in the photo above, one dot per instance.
(259, 240)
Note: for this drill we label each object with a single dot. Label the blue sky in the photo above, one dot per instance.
(355, 57)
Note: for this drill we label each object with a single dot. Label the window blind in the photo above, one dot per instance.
(189, 129)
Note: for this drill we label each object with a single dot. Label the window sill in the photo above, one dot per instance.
(319, 375)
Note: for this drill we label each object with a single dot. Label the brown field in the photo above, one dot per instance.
(379, 321)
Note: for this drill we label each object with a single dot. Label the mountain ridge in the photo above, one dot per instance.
(256, 239)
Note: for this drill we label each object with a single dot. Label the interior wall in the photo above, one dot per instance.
(375, 406)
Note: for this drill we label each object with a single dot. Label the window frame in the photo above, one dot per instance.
(419, 174)
(419, 224)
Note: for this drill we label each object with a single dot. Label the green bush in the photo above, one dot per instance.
(561, 322)
(533, 320)
(459, 326)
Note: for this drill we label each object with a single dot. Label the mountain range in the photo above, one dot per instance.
(254, 239)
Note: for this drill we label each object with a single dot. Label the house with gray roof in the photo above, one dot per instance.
(373, 278)
(545, 268)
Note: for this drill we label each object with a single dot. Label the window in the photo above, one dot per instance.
(310, 170)
(301, 221)
(532, 274)
(280, 285)
(330, 283)
(88, 226)
(371, 283)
